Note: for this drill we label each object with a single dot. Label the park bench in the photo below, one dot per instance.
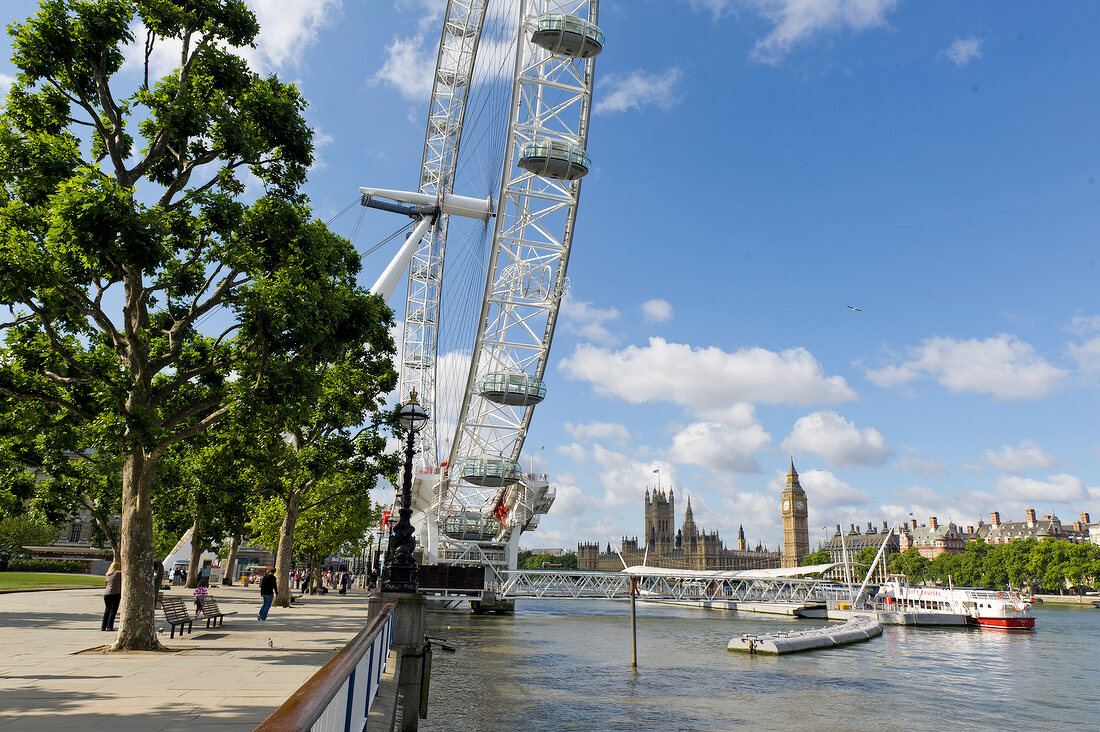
(210, 611)
(175, 612)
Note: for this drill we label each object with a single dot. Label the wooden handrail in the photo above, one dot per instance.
(306, 705)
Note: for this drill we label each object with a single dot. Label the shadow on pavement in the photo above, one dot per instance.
(30, 702)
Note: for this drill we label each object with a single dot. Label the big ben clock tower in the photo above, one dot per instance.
(796, 532)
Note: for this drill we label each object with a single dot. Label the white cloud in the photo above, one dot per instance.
(409, 66)
(623, 478)
(1087, 355)
(287, 29)
(1016, 459)
(321, 140)
(605, 431)
(6, 82)
(1002, 366)
(754, 511)
(638, 89)
(587, 321)
(917, 462)
(410, 59)
(705, 378)
(837, 440)
(719, 447)
(964, 50)
(1084, 325)
(799, 21)
(1058, 488)
(823, 490)
(656, 311)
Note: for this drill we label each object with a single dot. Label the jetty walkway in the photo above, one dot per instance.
(227, 678)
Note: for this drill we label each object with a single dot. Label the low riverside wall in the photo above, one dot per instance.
(1068, 599)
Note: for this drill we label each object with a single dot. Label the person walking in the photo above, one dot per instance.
(112, 595)
(200, 595)
(267, 593)
(345, 580)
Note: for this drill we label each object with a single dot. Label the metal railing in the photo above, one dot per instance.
(616, 586)
(339, 696)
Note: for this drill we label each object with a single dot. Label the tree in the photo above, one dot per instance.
(969, 568)
(107, 284)
(61, 468)
(821, 556)
(17, 532)
(326, 528)
(909, 562)
(317, 461)
(530, 560)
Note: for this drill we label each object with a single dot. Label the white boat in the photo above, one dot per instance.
(985, 608)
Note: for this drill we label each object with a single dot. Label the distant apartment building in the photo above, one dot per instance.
(1047, 527)
(933, 539)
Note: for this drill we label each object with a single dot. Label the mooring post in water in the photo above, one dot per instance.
(633, 624)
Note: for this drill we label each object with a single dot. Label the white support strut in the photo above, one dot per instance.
(387, 282)
(471, 208)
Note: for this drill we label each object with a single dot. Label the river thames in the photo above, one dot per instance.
(565, 665)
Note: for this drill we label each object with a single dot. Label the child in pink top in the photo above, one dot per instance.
(200, 595)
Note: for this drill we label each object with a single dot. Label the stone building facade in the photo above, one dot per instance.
(933, 539)
(688, 547)
(855, 541)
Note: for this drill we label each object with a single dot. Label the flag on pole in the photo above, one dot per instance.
(656, 470)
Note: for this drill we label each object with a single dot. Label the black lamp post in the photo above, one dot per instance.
(399, 574)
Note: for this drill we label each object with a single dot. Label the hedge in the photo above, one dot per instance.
(66, 566)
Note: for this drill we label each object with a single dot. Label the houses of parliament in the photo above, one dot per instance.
(690, 547)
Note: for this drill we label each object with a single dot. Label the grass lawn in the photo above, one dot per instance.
(20, 580)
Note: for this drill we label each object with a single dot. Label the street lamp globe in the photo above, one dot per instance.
(411, 415)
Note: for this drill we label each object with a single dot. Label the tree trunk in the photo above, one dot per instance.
(194, 565)
(231, 561)
(137, 630)
(285, 551)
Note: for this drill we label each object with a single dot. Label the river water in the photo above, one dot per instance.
(565, 665)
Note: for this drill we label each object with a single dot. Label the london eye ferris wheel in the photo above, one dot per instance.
(485, 264)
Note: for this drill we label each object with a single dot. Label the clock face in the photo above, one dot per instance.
(786, 505)
(798, 505)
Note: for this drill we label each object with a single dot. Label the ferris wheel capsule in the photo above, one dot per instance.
(567, 35)
(449, 77)
(491, 471)
(513, 389)
(558, 159)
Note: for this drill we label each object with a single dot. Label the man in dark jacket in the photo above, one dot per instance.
(267, 593)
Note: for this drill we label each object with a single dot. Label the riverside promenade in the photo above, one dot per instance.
(225, 678)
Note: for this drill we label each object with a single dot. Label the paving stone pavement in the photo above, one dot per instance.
(229, 679)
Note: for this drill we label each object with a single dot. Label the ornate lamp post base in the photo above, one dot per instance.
(400, 572)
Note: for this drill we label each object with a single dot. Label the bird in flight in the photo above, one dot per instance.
(852, 308)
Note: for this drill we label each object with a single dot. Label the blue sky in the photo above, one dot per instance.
(760, 165)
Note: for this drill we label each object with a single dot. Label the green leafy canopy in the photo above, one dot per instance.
(147, 295)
